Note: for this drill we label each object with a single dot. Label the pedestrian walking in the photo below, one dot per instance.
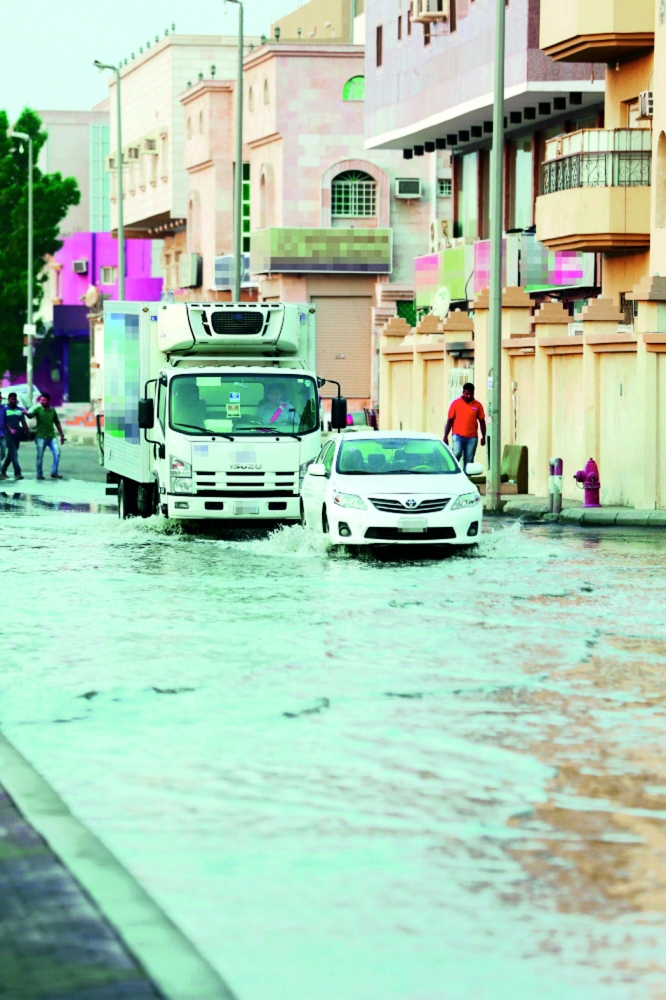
(45, 434)
(16, 430)
(466, 416)
(3, 443)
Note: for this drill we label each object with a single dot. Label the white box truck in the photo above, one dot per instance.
(211, 410)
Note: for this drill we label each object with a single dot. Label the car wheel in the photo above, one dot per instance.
(127, 499)
(324, 521)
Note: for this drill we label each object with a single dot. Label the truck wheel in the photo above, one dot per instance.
(127, 498)
(147, 499)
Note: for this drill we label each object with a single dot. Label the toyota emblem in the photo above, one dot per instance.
(411, 503)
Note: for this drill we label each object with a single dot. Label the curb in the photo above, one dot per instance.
(587, 516)
(168, 957)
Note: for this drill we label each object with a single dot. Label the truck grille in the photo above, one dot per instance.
(235, 323)
(430, 506)
(255, 484)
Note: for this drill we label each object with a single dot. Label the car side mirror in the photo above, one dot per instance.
(317, 469)
(146, 414)
(338, 413)
(474, 469)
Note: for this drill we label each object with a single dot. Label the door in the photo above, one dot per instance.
(344, 344)
(314, 488)
(79, 370)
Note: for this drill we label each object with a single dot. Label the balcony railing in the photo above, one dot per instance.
(598, 158)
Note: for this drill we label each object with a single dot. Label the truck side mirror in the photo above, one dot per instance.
(146, 414)
(338, 413)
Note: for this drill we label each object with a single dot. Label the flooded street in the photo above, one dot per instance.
(430, 779)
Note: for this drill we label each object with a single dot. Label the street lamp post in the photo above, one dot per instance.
(29, 329)
(496, 228)
(119, 158)
(238, 179)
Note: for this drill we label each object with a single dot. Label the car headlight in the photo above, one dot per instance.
(465, 500)
(349, 500)
(180, 468)
(179, 485)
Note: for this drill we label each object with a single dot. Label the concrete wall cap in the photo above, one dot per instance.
(551, 313)
(428, 324)
(516, 298)
(602, 311)
(396, 327)
(651, 288)
(458, 321)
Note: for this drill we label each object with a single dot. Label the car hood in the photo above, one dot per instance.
(405, 485)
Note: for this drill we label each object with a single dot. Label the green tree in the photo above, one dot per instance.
(53, 196)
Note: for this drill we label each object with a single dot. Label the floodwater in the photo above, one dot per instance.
(357, 779)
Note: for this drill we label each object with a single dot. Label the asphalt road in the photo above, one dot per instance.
(78, 461)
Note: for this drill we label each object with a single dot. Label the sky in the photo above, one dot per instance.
(47, 49)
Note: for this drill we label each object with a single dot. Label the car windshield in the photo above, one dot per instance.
(392, 456)
(243, 404)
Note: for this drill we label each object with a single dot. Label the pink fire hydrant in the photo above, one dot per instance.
(588, 478)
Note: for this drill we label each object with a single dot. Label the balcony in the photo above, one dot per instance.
(595, 191)
(596, 30)
(281, 250)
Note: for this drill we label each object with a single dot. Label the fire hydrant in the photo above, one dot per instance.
(588, 478)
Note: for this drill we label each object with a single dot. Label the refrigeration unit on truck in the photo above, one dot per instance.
(211, 410)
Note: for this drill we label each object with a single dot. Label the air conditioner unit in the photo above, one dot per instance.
(408, 187)
(189, 270)
(80, 266)
(646, 104)
(224, 272)
(430, 10)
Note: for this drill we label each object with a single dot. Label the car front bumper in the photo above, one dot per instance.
(373, 527)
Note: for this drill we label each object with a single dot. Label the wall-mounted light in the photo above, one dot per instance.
(213, 71)
(277, 32)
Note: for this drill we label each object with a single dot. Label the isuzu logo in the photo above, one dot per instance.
(247, 468)
(411, 503)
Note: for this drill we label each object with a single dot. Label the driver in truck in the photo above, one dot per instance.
(189, 410)
(276, 409)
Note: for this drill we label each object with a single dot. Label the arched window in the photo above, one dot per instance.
(353, 195)
(266, 93)
(354, 89)
(250, 99)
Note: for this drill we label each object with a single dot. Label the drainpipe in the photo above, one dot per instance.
(353, 18)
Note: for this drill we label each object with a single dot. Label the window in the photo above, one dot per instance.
(395, 455)
(409, 20)
(353, 195)
(444, 187)
(100, 187)
(520, 184)
(327, 459)
(201, 122)
(468, 196)
(399, 27)
(108, 275)
(161, 404)
(250, 99)
(247, 405)
(380, 44)
(453, 15)
(267, 96)
(189, 128)
(246, 208)
(354, 89)
(426, 33)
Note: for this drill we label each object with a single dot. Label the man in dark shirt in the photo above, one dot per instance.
(3, 443)
(14, 425)
(45, 434)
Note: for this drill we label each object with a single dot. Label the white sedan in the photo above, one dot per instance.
(391, 487)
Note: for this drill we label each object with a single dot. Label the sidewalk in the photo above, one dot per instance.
(54, 942)
(573, 512)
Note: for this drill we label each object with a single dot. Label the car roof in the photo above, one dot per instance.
(371, 435)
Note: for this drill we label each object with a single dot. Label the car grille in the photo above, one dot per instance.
(394, 534)
(430, 506)
(255, 484)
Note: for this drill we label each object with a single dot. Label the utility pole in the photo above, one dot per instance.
(119, 159)
(496, 232)
(29, 328)
(238, 179)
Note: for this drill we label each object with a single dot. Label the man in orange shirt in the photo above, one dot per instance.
(466, 415)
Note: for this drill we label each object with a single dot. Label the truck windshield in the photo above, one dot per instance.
(243, 404)
(395, 456)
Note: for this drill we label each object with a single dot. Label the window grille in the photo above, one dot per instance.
(353, 194)
(444, 187)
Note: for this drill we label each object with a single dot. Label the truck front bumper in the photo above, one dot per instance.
(232, 508)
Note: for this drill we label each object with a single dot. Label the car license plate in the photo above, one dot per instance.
(412, 525)
(245, 509)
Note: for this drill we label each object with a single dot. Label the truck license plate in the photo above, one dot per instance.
(245, 509)
(412, 525)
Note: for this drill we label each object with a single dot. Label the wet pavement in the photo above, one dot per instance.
(428, 778)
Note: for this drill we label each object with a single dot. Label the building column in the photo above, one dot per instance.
(393, 333)
(481, 307)
(516, 324)
(650, 295)
(551, 320)
(600, 317)
(424, 330)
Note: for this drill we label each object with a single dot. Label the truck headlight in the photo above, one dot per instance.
(465, 500)
(179, 485)
(349, 500)
(180, 468)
